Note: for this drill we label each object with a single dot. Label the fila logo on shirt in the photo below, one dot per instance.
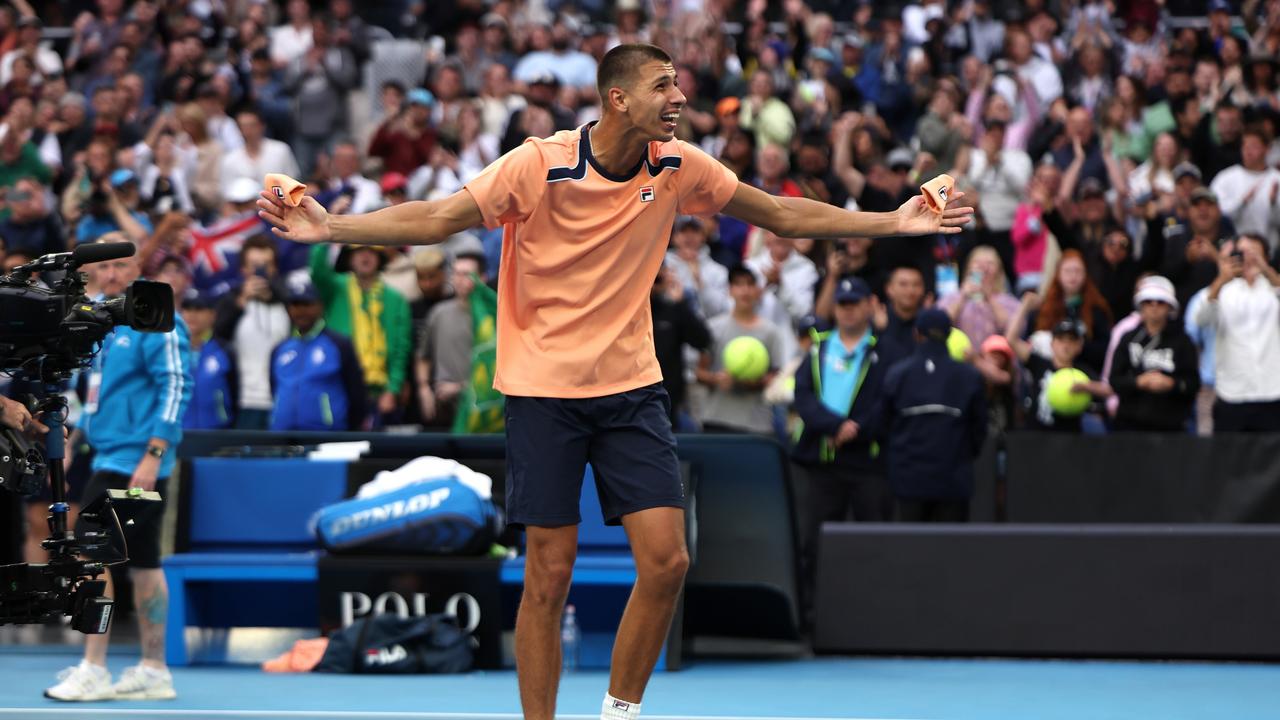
(646, 193)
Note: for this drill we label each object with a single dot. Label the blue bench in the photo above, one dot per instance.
(247, 525)
(247, 537)
(742, 584)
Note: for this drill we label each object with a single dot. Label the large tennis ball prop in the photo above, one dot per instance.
(1061, 399)
(746, 359)
(958, 345)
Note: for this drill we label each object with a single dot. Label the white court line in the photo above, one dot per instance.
(340, 715)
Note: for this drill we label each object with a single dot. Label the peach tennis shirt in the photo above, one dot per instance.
(581, 248)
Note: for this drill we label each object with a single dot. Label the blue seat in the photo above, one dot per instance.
(247, 526)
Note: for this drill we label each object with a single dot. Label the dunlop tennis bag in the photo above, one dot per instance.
(440, 516)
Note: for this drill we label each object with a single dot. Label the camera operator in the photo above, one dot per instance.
(139, 387)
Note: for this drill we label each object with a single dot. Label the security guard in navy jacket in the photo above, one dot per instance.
(315, 376)
(837, 397)
(215, 386)
(935, 422)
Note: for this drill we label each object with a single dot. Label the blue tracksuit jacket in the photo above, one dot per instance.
(143, 390)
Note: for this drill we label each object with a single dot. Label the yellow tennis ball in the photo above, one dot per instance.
(746, 358)
(1063, 401)
(958, 345)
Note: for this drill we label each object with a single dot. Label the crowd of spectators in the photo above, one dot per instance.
(1121, 155)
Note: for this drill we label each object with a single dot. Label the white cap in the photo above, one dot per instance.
(242, 190)
(1155, 287)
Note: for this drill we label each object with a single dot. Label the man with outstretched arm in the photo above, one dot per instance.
(586, 215)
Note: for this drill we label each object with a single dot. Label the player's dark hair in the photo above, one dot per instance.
(620, 63)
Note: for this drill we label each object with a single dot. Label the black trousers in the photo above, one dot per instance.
(835, 494)
(1246, 416)
(940, 511)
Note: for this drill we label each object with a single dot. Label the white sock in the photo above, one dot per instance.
(615, 709)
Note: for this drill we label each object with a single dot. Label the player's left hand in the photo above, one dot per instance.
(306, 223)
(915, 217)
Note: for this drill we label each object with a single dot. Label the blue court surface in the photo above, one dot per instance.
(897, 689)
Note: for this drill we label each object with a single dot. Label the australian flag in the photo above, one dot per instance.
(215, 252)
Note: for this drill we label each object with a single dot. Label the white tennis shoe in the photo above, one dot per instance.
(85, 682)
(144, 683)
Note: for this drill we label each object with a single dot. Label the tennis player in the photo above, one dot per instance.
(586, 216)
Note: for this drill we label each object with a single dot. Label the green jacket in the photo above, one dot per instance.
(28, 164)
(396, 320)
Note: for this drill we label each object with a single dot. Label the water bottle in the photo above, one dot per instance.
(570, 640)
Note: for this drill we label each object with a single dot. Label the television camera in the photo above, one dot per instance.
(48, 330)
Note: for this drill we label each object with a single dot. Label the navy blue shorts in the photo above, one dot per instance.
(626, 437)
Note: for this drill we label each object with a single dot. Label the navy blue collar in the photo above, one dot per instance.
(591, 158)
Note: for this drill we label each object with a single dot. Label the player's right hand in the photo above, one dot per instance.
(306, 223)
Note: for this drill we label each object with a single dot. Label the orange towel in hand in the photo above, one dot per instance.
(285, 188)
(938, 191)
